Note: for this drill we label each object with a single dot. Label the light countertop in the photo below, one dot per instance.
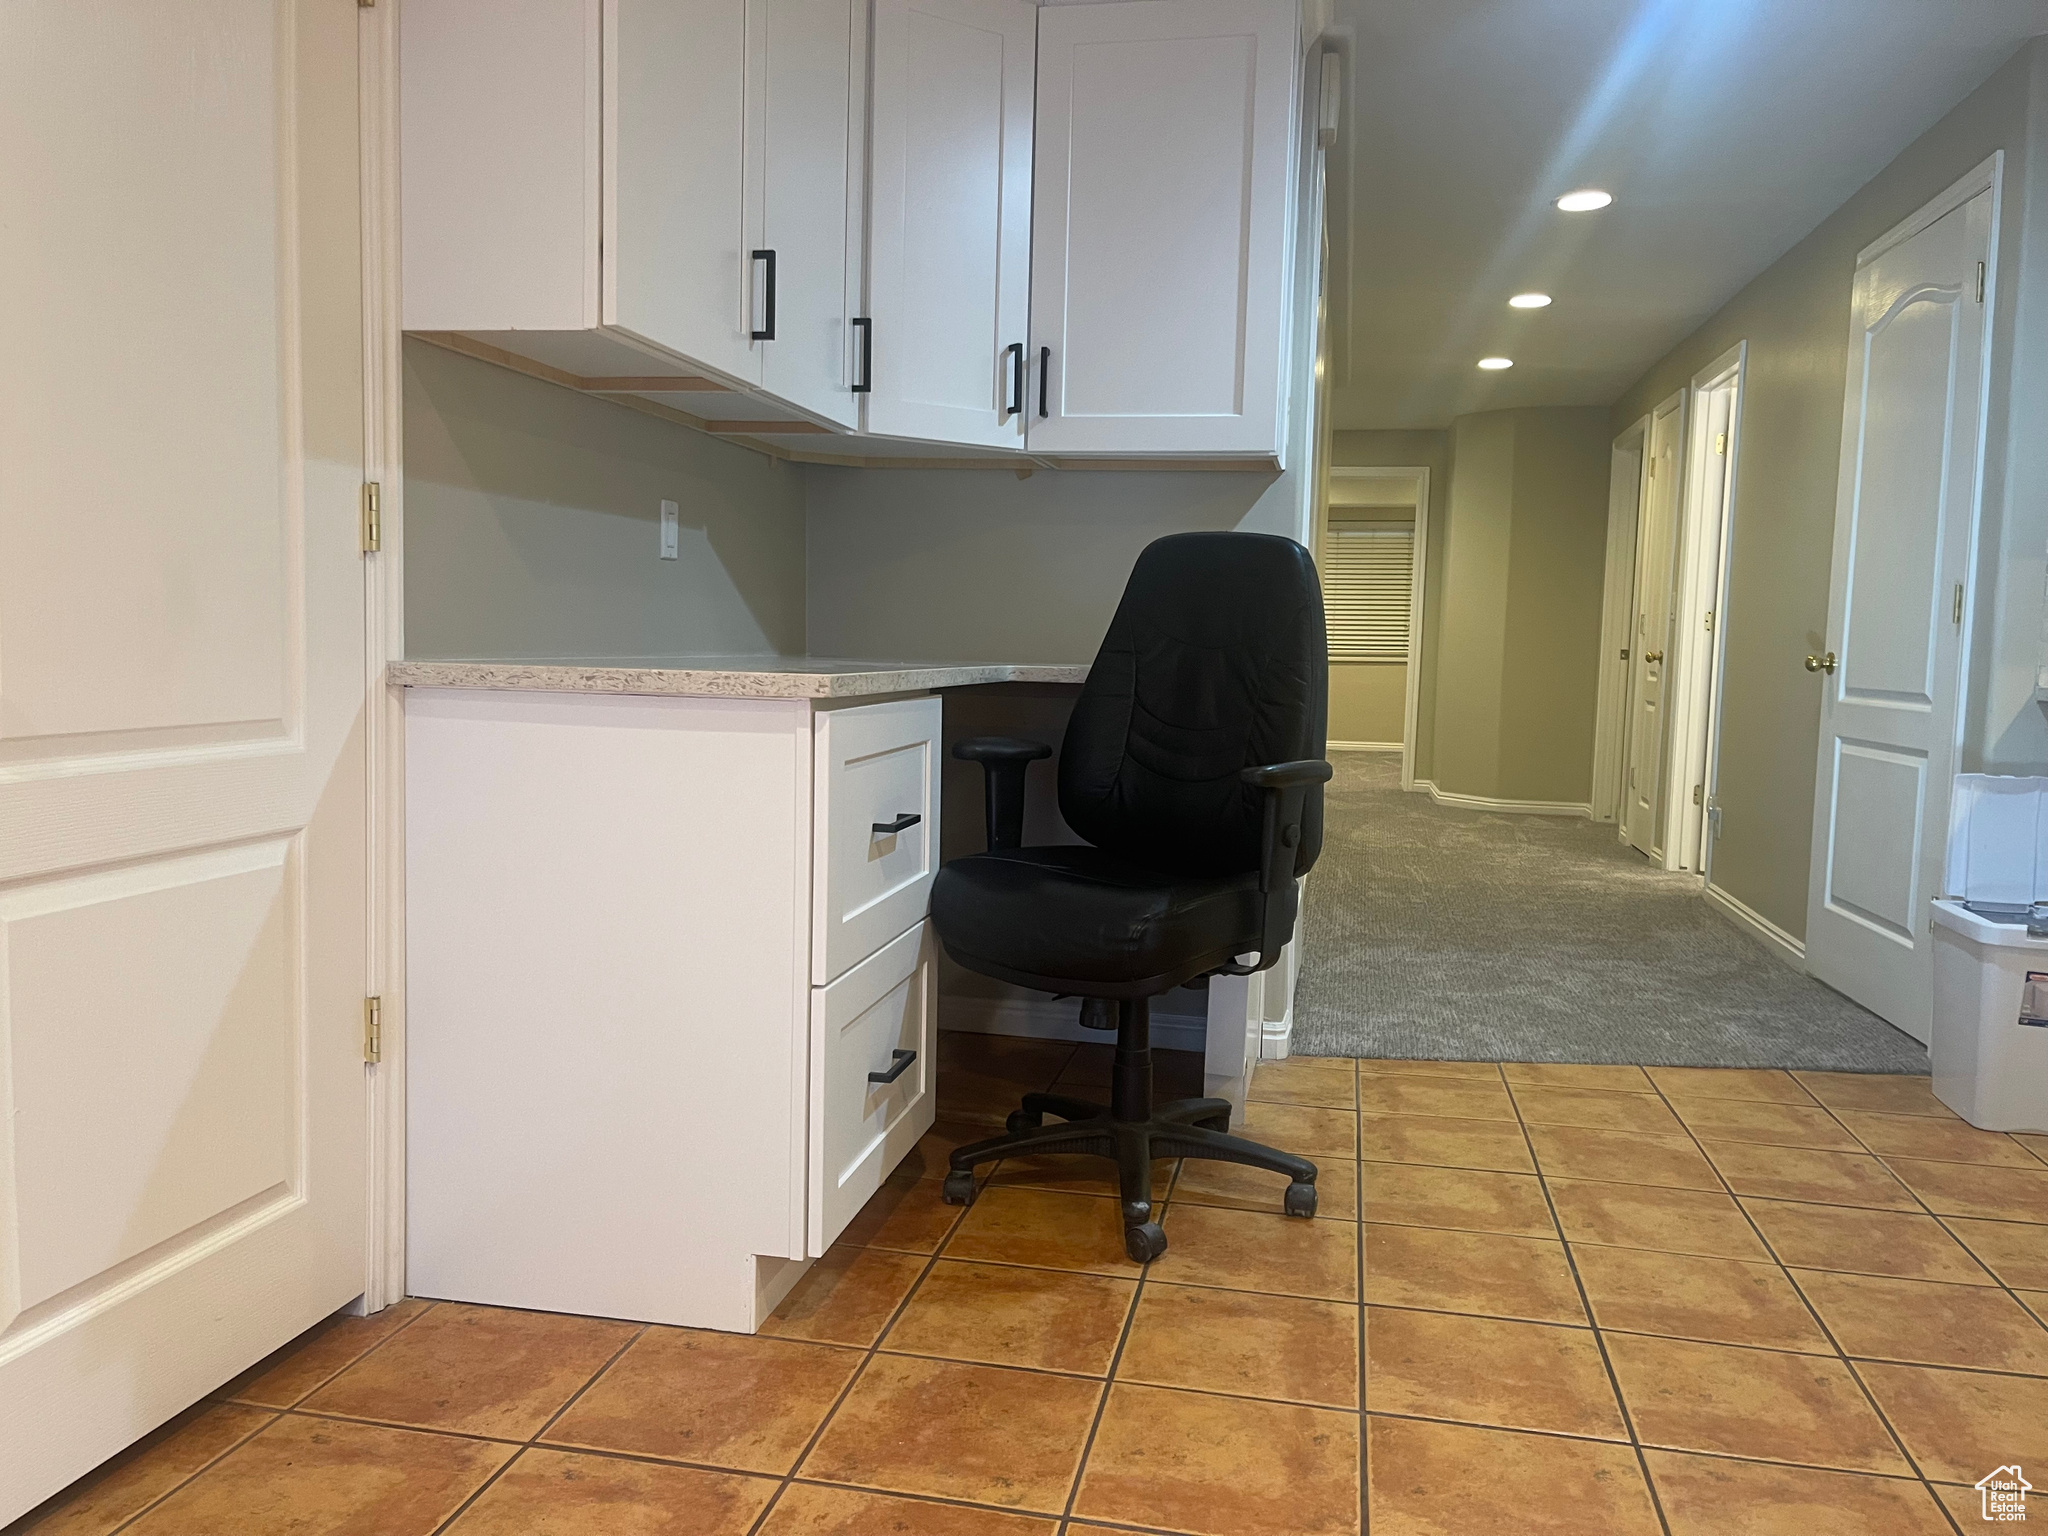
(728, 677)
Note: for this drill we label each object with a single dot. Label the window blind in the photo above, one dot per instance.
(1368, 574)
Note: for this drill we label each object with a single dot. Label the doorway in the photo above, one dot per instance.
(1643, 776)
(1375, 537)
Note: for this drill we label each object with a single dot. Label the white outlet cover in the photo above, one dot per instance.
(671, 530)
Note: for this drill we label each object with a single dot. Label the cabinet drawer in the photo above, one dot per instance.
(877, 768)
(860, 1128)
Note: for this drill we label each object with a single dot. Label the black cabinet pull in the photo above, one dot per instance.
(766, 332)
(866, 383)
(902, 1060)
(891, 828)
(1044, 371)
(1013, 403)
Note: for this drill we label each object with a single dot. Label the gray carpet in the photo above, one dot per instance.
(1452, 935)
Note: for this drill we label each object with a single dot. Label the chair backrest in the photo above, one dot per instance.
(1215, 662)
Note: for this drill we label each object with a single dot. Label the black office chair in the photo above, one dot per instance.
(1193, 765)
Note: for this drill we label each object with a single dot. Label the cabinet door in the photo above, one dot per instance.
(677, 215)
(950, 218)
(809, 69)
(1161, 225)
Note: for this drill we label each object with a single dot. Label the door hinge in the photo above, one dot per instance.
(1710, 621)
(373, 517)
(365, 5)
(1955, 612)
(1720, 442)
(373, 1029)
(1699, 794)
(1980, 282)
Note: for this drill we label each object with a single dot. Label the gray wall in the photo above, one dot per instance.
(1795, 317)
(531, 526)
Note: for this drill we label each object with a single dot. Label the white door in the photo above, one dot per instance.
(949, 220)
(1650, 645)
(183, 942)
(1160, 239)
(1905, 512)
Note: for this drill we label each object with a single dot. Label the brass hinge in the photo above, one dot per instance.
(1980, 282)
(373, 1029)
(1720, 442)
(1955, 613)
(373, 517)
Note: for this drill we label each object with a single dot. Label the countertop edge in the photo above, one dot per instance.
(724, 682)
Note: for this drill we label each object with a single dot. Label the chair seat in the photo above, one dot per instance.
(1077, 919)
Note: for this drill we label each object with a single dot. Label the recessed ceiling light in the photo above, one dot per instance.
(1495, 364)
(1529, 301)
(1584, 201)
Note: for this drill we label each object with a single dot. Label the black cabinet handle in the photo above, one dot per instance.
(902, 1060)
(1044, 370)
(1013, 403)
(891, 828)
(866, 383)
(766, 332)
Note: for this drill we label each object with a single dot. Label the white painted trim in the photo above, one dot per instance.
(1676, 404)
(1985, 176)
(1045, 1018)
(1792, 951)
(1363, 746)
(1413, 480)
(1617, 610)
(1509, 807)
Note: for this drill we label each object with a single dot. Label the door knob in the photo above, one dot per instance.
(1653, 656)
(1822, 663)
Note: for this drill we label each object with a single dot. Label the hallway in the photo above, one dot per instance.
(1442, 934)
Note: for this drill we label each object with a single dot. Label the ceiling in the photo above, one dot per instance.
(1726, 129)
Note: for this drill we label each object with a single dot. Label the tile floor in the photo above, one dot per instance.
(1577, 1299)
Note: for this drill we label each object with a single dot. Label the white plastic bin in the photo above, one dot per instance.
(1990, 1045)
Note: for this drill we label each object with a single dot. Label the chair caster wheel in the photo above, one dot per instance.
(1145, 1242)
(1214, 1123)
(959, 1187)
(1022, 1120)
(1300, 1200)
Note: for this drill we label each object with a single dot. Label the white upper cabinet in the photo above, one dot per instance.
(949, 220)
(1162, 223)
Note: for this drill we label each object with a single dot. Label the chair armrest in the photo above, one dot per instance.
(1284, 790)
(1004, 761)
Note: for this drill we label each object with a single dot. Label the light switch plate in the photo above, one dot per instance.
(671, 530)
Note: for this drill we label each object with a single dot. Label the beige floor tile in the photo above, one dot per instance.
(957, 1431)
(1770, 1125)
(476, 1370)
(1904, 1244)
(1702, 1221)
(2036, 1302)
(2038, 1145)
(1250, 1345)
(1709, 1496)
(1945, 1141)
(1448, 1143)
(327, 1477)
(718, 1399)
(1750, 1402)
(1220, 1466)
(1482, 1273)
(906, 1214)
(981, 1078)
(1001, 1314)
(1923, 1322)
(567, 1494)
(1684, 1296)
(1799, 1173)
(1596, 1109)
(1543, 1074)
(1449, 1480)
(1329, 1081)
(1484, 1370)
(1075, 1174)
(1043, 1228)
(927, 1160)
(139, 1476)
(1253, 1189)
(1457, 1098)
(1414, 1195)
(1379, 1066)
(1960, 1425)
(1868, 1090)
(1963, 1189)
(1767, 1085)
(808, 1509)
(2016, 1252)
(1620, 1157)
(1300, 1129)
(1254, 1251)
(318, 1355)
(1175, 1074)
(847, 1297)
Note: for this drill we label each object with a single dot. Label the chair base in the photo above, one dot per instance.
(1130, 1133)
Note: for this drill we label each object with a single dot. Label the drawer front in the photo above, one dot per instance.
(877, 768)
(860, 1026)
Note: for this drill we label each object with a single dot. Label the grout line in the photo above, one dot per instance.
(1364, 1357)
(186, 1481)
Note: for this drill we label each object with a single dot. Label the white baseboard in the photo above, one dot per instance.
(1792, 951)
(1276, 1043)
(1045, 1018)
(1361, 746)
(1508, 807)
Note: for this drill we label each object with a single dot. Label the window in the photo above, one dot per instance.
(1368, 575)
